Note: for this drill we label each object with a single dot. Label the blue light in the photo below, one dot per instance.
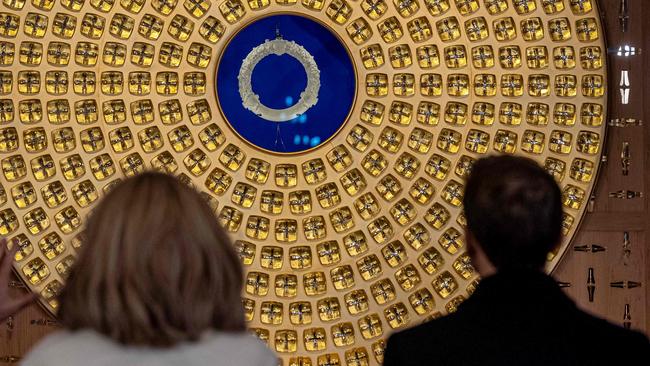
(279, 80)
(314, 141)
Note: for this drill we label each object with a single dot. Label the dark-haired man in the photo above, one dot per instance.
(517, 315)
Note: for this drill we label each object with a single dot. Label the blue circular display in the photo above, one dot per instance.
(279, 81)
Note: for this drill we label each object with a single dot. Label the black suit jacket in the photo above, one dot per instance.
(518, 318)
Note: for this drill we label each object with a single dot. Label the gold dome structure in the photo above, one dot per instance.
(344, 243)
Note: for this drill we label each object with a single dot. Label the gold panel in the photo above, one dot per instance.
(341, 244)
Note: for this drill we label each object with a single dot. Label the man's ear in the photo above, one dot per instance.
(558, 243)
(480, 261)
(471, 243)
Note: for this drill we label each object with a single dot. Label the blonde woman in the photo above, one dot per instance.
(156, 283)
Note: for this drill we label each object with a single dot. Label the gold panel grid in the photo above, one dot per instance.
(342, 244)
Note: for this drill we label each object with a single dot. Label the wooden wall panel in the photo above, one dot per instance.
(645, 42)
(609, 266)
(612, 217)
(19, 333)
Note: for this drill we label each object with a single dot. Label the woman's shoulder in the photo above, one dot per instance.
(236, 348)
(61, 348)
(89, 348)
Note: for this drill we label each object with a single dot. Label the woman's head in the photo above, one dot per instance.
(155, 269)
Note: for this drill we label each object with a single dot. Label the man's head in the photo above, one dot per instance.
(514, 212)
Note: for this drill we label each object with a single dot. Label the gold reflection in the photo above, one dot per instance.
(365, 231)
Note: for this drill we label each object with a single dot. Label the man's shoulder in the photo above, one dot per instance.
(410, 347)
(598, 328)
(601, 340)
(431, 329)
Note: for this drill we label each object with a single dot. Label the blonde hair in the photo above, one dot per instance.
(155, 268)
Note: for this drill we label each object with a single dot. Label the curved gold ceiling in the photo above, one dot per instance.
(341, 244)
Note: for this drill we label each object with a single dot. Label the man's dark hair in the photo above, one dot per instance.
(514, 211)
